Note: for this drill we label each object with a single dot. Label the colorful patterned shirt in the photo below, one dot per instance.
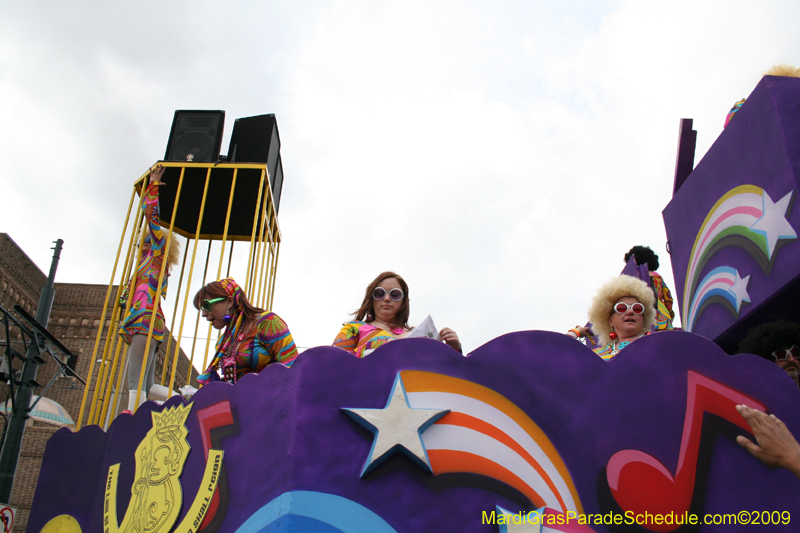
(267, 341)
(144, 286)
(608, 352)
(360, 338)
(664, 312)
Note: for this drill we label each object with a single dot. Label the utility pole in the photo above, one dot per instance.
(9, 456)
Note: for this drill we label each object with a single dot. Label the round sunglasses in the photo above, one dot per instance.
(394, 294)
(622, 308)
(206, 305)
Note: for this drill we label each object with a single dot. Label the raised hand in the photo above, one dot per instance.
(156, 173)
(776, 446)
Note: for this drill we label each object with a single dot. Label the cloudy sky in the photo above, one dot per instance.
(502, 156)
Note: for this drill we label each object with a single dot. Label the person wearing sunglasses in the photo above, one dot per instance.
(253, 338)
(144, 288)
(778, 342)
(383, 317)
(623, 310)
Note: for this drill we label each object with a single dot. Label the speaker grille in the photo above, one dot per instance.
(195, 136)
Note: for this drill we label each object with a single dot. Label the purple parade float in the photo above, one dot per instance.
(731, 225)
(530, 432)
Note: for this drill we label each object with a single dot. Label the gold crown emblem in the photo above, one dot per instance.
(173, 416)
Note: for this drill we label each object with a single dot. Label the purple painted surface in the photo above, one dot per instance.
(292, 434)
(684, 161)
(761, 146)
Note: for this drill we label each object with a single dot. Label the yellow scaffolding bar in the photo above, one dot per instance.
(221, 203)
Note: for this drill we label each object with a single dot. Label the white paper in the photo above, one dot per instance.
(425, 329)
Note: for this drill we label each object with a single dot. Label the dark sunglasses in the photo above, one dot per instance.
(785, 355)
(622, 308)
(394, 294)
(206, 305)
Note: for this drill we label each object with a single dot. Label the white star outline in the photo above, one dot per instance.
(739, 290)
(398, 426)
(773, 224)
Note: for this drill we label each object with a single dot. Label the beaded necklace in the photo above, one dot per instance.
(227, 364)
(623, 344)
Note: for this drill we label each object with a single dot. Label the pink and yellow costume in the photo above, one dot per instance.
(144, 285)
(664, 312)
(360, 338)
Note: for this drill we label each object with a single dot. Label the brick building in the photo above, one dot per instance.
(74, 321)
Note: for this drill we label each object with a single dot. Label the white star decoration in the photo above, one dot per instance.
(739, 290)
(773, 224)
(396, 426)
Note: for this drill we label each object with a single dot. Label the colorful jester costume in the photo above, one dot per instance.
(250, 349)
(144, 286)
(360, 338)
(664, 312)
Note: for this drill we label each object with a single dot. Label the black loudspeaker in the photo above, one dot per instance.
(277, 183)
(196, 136)
(256, 140)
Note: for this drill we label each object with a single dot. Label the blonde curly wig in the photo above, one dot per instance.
(174, 254)
(783, 70)
(603, 304)
(174, 249)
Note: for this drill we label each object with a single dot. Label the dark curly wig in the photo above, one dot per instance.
(643, 254)
(766, 338)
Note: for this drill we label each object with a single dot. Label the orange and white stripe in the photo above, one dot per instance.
(485, 433)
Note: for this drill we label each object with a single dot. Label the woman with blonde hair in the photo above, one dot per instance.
(143, 289)
(623, 310)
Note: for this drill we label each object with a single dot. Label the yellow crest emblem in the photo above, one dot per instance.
(156, 493)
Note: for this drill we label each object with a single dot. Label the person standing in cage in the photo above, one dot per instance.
(253, 338)
(142, 292)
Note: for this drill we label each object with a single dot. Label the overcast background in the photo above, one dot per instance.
(502, 156)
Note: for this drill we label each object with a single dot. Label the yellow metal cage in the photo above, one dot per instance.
(214, 204)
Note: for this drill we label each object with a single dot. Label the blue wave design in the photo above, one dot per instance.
(314, 511)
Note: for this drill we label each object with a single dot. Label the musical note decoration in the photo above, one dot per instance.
(641, 483)
(218, 415)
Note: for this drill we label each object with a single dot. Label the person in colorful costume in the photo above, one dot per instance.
(622, 311)
(383, 317)
(253, 338)
(664, 313)
(142, 292)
